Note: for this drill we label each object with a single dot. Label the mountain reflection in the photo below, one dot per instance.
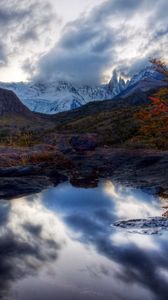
(60, 244)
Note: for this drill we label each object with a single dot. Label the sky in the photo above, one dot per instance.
(81, 41)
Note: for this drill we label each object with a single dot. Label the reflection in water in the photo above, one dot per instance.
(60, 245)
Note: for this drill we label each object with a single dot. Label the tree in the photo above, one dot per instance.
(153, 119)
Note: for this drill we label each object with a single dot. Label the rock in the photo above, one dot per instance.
(144, 226)
(55, 176)
(22, 186)
(84, 142)
(20, 171)
(85, 179)
(148, 161)
(19, 181)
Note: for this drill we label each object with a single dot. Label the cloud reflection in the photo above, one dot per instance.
(27, 239)
(61, 243)
(139, 257)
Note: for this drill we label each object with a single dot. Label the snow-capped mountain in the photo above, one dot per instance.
(147, 79)
(53, 97)
(146, 73)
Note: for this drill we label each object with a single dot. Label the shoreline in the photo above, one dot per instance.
(141, 168)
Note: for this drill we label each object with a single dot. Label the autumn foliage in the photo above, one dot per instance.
(153, 119)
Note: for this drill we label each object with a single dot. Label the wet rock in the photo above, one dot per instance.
(19, 181)
(84, 142)
(20, 171)
(144, 226)
(21, 186)
(148, 161)
(55, 176)
(84, 168)
(85, 179)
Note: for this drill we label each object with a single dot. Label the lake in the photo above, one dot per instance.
(62, 244)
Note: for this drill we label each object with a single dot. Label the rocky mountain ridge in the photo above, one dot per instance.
(54, 97)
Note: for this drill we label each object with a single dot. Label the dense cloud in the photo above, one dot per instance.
(117, 33)
(2, 54)
(114, 34)
(24, 29)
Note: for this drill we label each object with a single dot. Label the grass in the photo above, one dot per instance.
(37, 158)
(114, 123)
(113, 127)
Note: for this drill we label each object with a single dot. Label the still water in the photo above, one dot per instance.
(60, 244)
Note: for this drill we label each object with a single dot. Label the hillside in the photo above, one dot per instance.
(92, 108)
(17, 122)
(117, 122)
(10, 104)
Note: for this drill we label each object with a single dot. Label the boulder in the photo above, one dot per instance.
(84, 142)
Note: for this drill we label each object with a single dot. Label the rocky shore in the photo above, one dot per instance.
(29, 170)
(149, 226)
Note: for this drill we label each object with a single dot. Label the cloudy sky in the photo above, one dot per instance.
(79, 40)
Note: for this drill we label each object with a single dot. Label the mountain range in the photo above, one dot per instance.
(54, 97)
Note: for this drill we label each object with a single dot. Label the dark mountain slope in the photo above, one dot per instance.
(115, 122)
(10, 104)
(17, 122)
(145, 86)
(93, 108)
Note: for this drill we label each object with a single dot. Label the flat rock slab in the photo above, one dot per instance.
(21, 186)
(143, 226)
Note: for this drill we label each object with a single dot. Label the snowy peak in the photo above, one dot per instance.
(148, 72)
(53, 97)
(146, 80)
(116, 84)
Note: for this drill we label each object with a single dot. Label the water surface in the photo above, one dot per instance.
(60, 244)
